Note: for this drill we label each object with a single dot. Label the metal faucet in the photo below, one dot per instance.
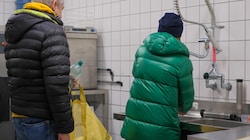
(206, 47)
(214, 75)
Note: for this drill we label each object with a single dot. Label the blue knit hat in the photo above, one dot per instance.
(172, 24)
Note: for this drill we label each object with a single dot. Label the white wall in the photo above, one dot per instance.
(123, 24)
(6, 9)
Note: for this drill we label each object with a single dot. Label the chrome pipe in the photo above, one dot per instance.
(213, 21)
(239, 96)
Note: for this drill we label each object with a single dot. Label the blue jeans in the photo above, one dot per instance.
(34, 129)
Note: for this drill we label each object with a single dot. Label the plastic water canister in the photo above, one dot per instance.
(75, 72)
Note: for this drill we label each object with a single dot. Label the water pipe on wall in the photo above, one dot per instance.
(209, 34)
(213, 19)
(213, 74)
(206, 47)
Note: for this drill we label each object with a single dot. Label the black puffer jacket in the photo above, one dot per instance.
(37, 59)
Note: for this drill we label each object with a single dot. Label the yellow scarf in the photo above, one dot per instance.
(14, 115)
(39, 7)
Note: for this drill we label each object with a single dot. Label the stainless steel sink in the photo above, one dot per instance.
(218, 122)
(202, 125)
(187, 118)
(193, 123)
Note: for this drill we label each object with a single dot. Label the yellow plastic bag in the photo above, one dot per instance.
(87, 125)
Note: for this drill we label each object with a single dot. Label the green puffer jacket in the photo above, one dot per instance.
(162, 86)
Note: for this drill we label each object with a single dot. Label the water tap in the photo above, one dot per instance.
(214, 75)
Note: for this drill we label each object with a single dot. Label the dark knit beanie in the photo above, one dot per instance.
(172, 24)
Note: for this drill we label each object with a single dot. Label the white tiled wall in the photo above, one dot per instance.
(123, 24)
(6, 9)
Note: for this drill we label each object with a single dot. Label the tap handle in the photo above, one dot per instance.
(206, 75)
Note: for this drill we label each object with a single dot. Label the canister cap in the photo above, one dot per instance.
(80, 63)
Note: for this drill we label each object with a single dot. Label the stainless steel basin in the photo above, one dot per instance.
(202, 125)
(187, 118)
(218, 122)
(193, 123)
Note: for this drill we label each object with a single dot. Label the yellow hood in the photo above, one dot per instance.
(39, 7)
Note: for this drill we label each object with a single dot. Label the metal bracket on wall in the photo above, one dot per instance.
(108, 70)
(112, 77)
(112, 82)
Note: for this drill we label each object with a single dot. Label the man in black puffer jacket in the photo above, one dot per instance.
(37, 59)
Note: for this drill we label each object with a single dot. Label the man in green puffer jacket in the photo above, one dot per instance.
(162, 86)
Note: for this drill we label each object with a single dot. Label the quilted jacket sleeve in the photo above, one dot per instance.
(186, 87)
(55, 62)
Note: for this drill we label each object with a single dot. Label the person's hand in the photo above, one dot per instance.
(4, 43)
(181, 113)
(75, 83)
(63, 136)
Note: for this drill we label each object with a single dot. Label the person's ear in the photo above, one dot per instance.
(53, 5)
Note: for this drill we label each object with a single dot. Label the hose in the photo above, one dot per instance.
(199, 56)
(176, 3)
(212, 13)
(213, 55)
(208, 33)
